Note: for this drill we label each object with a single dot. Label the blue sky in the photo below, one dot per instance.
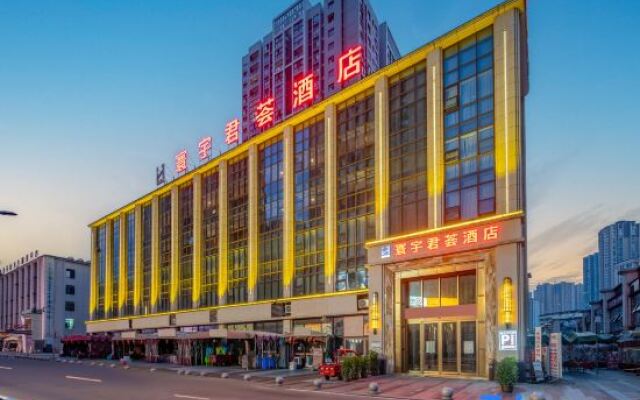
(95, 94)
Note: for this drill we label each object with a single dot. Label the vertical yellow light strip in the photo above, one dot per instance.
(223, 238)
(197, 240)
(252, 243)
(330, 163)
(108, 270)
(175, 248)
(288, 219)
(122, 261)
(435, 190)
(507, 171)
(137, 273)
(381, 159)
(93, 287)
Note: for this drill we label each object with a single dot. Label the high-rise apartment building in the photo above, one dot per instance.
(559, 297)
(591, 277)
(618, 249)
(309, 40)
(42, 299)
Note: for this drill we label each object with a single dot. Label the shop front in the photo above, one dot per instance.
(446, 302)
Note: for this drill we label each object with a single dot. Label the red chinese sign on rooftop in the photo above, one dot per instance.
(350, 64)
(303, 91)
(265, 113)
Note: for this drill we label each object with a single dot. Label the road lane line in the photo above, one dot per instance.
(80, 378)
(8, 368)
(186, 396)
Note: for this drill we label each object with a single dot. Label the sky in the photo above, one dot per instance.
(95, 94)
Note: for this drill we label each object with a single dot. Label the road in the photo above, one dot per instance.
(44, 380)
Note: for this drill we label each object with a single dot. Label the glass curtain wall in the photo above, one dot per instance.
(270, 212)
(185, 202)
(164, 244)
(469, 132)
(131, 252)
(356, 197)
(101, 247)
(210, 218)
(115, 267)
(237, 220)
(146, 259)
(309, 207)
(408, 151)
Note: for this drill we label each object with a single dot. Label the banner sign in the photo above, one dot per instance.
(538, 345)
(555, 355)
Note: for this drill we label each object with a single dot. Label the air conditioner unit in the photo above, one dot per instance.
(363, 303)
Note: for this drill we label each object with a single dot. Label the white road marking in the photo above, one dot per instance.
(80, 378)
(186, 396)
(1, 367)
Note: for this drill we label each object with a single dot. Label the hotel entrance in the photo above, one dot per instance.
(442, 347)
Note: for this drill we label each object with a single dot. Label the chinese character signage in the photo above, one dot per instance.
(265, 113)
(303, 91)
(204, 148)
(439, 243)
(555, 355)
(232, 132)
(181, 162)
(538, 345)
(446, 241)
(350, 64)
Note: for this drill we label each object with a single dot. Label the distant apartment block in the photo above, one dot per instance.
(310, 39)
(618, 249)
(591, 277)
(42, 299)
(559, 297)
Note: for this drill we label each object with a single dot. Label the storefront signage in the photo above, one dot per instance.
(538, 345)
(508, 340)
(555, 355)
(444, 242)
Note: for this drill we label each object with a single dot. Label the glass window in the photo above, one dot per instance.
(209, 262)
(449, 291)
(270, 211)
(469, 67)
(164, 245)
(70, 273)
(146, 259)
(131, 251)
(431, 292)
(185, 216)
(69, 323)
(408, 151)
(70, 289)
(237, 220)
(69, 306)
(309, 207)
(467, 289)
(415, 294)
(101, 247)
(355, 183)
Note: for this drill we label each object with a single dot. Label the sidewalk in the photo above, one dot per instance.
(37, 356)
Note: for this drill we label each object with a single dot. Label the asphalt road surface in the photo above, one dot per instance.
(44, 380)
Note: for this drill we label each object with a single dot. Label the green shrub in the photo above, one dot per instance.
(507, 371)
(372, 360)
(347, 367)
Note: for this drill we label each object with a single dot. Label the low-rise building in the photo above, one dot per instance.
(43, 298)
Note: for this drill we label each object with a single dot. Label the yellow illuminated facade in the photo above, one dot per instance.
(327, 216)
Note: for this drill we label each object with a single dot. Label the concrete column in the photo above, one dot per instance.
(435, 145)
(154, 292)
(108, 277)
(223, 238)
(626, 309)
(197, 239)
(137, 265)
(122, 267)
(382, 157)
(508, 113)
(330, 198)
(252, 248)
(175, 249)
(288, 219)
(93, 286)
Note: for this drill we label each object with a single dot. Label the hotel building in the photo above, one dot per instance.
(390, 214)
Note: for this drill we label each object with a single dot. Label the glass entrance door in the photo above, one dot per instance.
(447, 347)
